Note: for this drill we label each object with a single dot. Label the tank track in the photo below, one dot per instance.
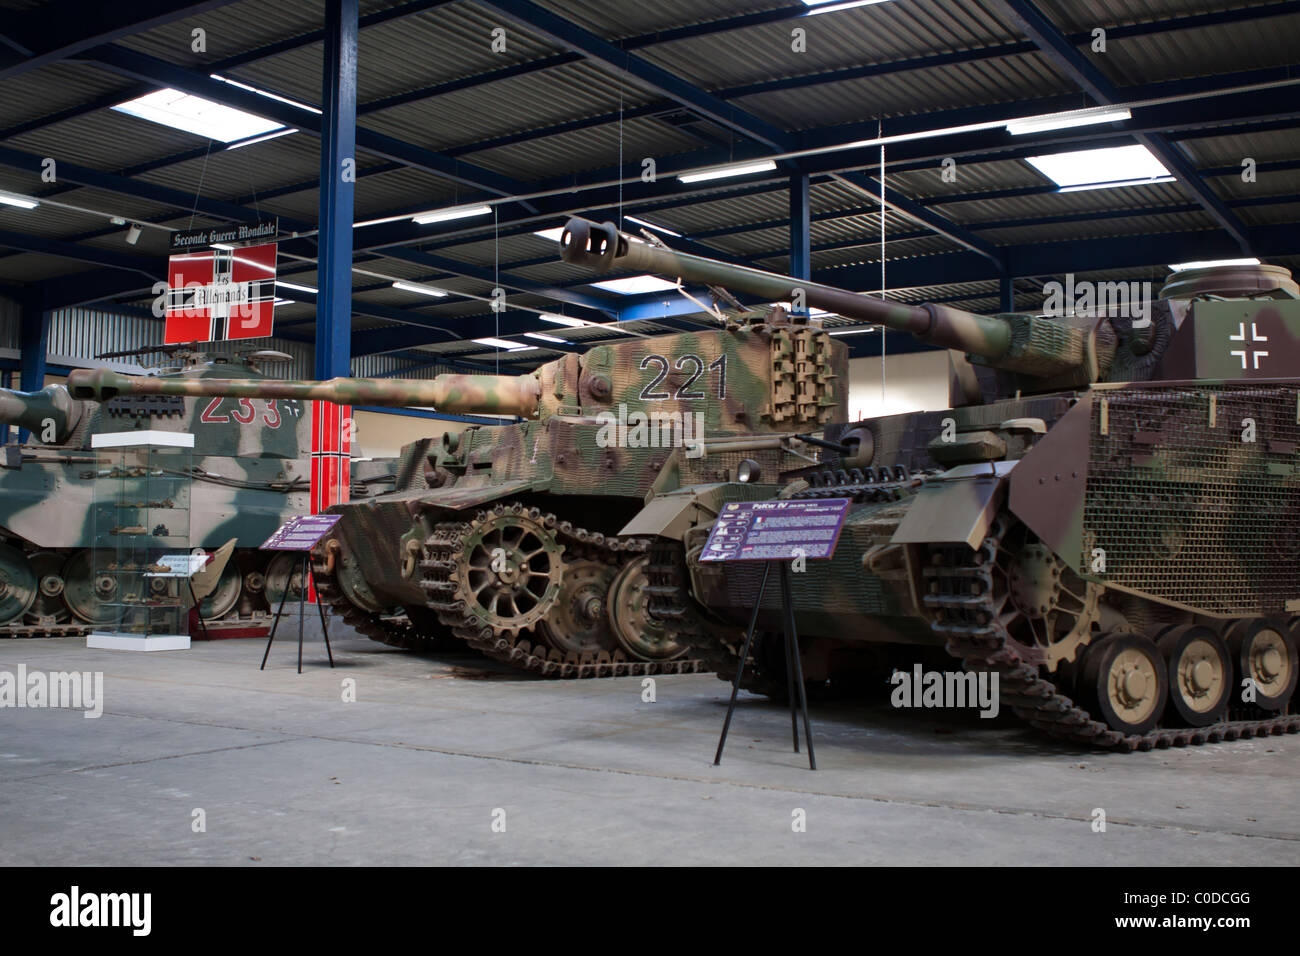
(442, 552)
(961, 586)
(717, 645)
(396, 631)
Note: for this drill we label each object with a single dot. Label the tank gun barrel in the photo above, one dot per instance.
(483, 394)
(36, 411)
(602, 247)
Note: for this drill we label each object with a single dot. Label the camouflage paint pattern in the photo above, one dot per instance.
(251, 459)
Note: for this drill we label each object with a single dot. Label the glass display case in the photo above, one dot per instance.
(142, 540)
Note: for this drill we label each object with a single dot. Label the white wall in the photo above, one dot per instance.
(914, 381)
(382, 436)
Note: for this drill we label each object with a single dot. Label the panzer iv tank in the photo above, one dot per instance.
(504, 537)
(1107, 516)
(251, 473)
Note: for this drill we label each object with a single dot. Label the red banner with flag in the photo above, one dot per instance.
(220, 294)
(331, 460)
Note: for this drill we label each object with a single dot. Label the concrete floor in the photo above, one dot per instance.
(412, 772)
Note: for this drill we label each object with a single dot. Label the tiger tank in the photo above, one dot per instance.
(505, 536)
(251, 473)
(1106, 517)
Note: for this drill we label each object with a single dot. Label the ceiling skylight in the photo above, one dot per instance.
(1101, 168)
(635, 285)
(194, 114)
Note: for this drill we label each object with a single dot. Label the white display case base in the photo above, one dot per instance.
(134, 642)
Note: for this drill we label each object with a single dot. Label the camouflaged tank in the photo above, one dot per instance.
(1107, 516)
(251, 473)
(505, 536)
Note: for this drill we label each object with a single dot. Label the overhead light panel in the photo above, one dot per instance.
(260, 139)
(420, 288)
(22, 202)
(1067, 120)
(1213, 263)
(830, 6)
(1117, 184)
(564, 320)
(635, 285)
(502, 344)
(291, 285)
(551, 234)
(650, 225)
(284, 302)
(545, 338)
(269, 95)
(851, 331)
(1101, 168)
(452, 212)
(723, 172)
(194, 114)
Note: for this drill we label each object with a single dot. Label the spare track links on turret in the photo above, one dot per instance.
(442, 557)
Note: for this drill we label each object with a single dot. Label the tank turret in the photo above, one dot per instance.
(774, 375)
(1122, 339)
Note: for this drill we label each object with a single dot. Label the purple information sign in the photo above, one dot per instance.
(300, 533)
(775, 530)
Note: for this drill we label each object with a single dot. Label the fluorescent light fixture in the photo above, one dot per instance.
(22, 202)
(564, 320)
(1101, 168)
(1117, 183)
(502, 344)
(827, 6)
(551, 234)
(268, 95)
(1212, 263)
(650, 225)
(261, 139)
(284, 302)
(223, 245)
(291, 285)
(194, 114)
(851, 331)
(635, 285)
(545, 338)
(452, 212)
(722, 172)
(420, 288)
(1067, 120)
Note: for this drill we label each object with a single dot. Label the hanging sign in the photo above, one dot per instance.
(187, 240)
(220, 294)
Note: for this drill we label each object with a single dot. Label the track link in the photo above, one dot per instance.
(442, 553)
(395, 631)
(717, 645)
(961, 593)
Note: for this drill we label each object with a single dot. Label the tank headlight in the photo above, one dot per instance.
(748, 471)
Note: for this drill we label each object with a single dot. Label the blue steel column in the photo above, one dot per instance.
(1007, 294)
(800, 228)
(33, 342)
(337, 173)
